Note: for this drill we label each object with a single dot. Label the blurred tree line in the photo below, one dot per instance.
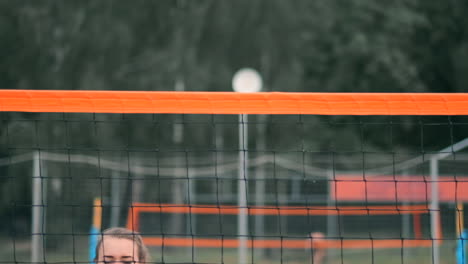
(307, 46)
(197, 45)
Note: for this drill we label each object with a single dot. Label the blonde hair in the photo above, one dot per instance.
(123, 233)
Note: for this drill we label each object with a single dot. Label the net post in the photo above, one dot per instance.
(38, 211)
(245, 80)
(406, 218)
(242, 192)
(434, 206)
(260, 184)
(332, 219)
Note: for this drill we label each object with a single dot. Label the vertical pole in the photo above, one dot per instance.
(260, 183)
(242, 189)
(180, 197)
(405, 229)
(95, 228)
(461, 236)
(43, 172)
(37, 245)
(459, 219)
(137, 182)
(191, 199)
(245, 80)
(115, 199)
(224, 190)
(417, 226)
(434, 208)
(332, 218)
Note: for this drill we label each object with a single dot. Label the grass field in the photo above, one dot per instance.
(76, 251)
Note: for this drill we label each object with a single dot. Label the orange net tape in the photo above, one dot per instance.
(234, 103)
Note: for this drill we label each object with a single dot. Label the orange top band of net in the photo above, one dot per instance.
(234, 103)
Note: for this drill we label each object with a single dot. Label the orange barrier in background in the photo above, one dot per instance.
(397, 189)
(416, 210)
(292, 244)
(234, 103)
(137, 208)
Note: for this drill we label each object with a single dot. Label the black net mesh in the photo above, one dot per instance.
(300, 176)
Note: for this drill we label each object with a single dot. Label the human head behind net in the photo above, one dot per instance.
(121, 245)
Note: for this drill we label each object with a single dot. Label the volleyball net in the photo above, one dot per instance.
(235, 178)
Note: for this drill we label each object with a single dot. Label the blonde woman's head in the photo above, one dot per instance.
(121, 245)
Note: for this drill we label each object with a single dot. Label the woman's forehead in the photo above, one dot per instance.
(112, 246)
